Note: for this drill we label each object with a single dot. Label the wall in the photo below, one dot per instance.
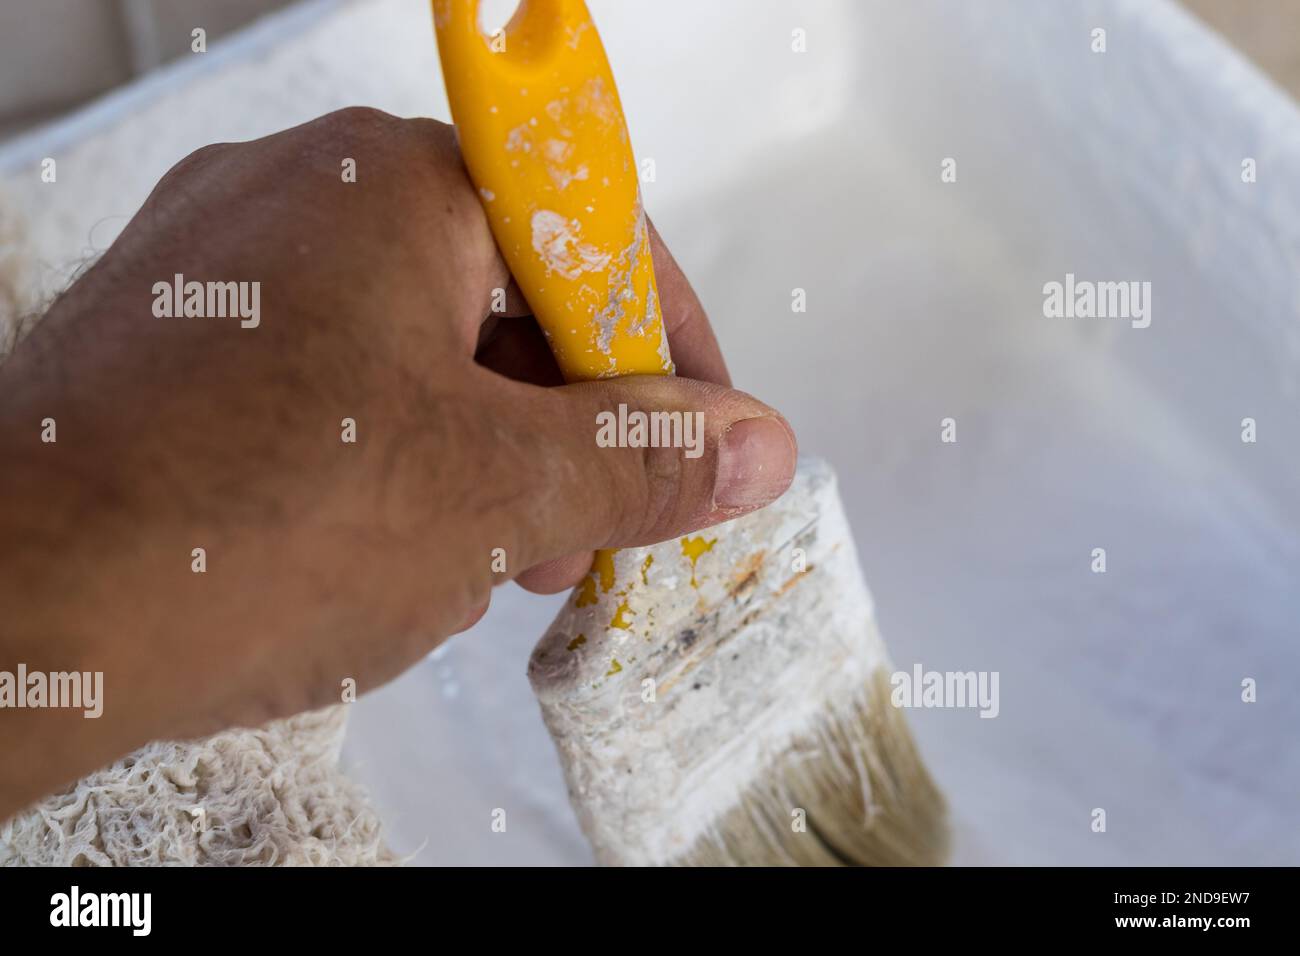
(57, 54)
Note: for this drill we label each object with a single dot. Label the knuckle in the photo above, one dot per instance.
(615, 504)
(356, 131)
(196, 162)
(664, 494)
(650, 513)
(434, 132)
(358, 120)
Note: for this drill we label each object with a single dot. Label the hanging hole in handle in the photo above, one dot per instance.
(493, 15)
(530, 35)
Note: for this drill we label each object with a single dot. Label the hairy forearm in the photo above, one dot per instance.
(118, 466)
(79, 562)
(51, 613)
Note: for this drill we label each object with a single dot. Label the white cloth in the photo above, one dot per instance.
(270, 796)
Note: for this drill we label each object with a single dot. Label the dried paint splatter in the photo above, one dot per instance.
(556, 240)
(693, 549)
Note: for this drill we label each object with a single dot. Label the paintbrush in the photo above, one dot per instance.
(723, 699)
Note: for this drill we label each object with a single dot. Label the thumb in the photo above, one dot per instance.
(642, 459)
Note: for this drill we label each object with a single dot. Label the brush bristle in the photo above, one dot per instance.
(867, 798)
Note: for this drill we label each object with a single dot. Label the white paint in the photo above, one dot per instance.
(739, 671)
(556, 240)
(610, 316)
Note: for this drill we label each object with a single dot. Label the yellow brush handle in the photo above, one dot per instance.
(543, 136)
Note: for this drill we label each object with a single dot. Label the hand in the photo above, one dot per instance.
(323, 559)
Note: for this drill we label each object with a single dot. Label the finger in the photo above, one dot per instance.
(474, 616)
(505, 301)
(723, 454)
(559, 574)
(691, 341)
(517, 349)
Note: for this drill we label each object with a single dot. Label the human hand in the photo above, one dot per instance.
(323, 559)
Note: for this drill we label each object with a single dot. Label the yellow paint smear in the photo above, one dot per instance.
(603, 567)
(577, 642)
(601, 573)
(693, 548)
(620, 618)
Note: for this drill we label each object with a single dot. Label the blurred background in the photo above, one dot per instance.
(820, 170)
(61, 53)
